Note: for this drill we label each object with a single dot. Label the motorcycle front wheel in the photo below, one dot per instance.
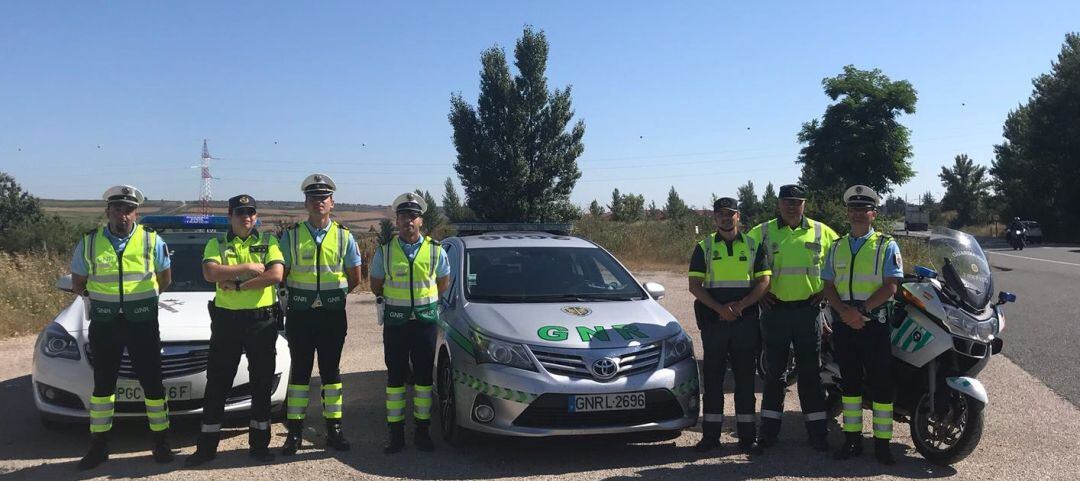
(951, 433)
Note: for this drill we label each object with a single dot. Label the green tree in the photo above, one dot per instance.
(433, 219)
(386, 231)
(894, 206)
(965, 190)
(596, 210)
(675, 208)
(930, 206)
(515, 158)
(770, 207)
(16, 205)
(1035, 169)
(626, 207)
(749, 207)
(455, 212)
(653, 212)
(859, 140)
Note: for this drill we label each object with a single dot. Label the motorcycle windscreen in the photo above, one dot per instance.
(972, 281)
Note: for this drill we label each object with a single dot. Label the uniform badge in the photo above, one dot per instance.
(317, 302)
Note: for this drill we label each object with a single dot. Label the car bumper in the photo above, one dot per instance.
(62, 389)
(534, 404)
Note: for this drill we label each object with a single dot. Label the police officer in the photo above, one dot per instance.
(122, 267)
(246, 265)
(728, 275)
(322, 265)
(861, 273)
(407, 275)
(795, 247)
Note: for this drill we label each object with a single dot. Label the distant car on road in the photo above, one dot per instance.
(1034, 231)
(62, 372)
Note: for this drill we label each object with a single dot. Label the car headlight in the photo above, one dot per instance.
(677, 348)
(58, 343)
(491, 350)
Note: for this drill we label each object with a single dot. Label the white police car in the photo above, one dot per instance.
(545, 334)
(62, 372)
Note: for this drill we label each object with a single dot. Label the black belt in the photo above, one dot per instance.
(796, 304)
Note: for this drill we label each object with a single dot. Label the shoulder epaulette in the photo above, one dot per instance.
(342, 226)
(148, 229)
(92, 231)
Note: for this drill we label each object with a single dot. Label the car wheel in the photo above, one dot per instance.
(451, 432)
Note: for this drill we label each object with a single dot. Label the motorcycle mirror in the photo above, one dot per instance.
(1005, 297)
(925, 272)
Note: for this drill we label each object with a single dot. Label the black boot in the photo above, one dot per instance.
(770, 430)
(162, 452)
(882, 453)
(851, 448)
(205, 449)
(294, 439)
(396, 442)
(421, 438)
(710, 437)
(334, 438)
(746, 439)
(98, 452)
(817, 431)
(259, 445)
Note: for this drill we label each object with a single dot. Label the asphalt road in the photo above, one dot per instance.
(1030, 433)
(1042, 331)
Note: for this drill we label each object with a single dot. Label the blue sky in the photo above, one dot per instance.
(702, 96)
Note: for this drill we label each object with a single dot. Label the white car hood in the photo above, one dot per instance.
(182, 316)
(571, 325)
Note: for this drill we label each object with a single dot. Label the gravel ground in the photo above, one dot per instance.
(1029, 434)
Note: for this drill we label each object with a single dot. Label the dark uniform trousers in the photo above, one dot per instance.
(865, 359)
(409, 344)
(784, 325)
(143, 342)
(723, 341)
(250, 332)
(312, 331)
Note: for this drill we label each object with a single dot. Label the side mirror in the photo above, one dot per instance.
(655, 290)
(925, 272)
(1005, 297)
(64, 284)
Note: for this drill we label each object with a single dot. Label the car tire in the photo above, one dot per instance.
(452, 432)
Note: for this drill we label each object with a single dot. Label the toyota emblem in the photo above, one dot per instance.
(605, 368)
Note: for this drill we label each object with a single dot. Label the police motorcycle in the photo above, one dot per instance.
(945, 327)
(1017, 239)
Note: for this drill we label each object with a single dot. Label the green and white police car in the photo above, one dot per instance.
(543, 333)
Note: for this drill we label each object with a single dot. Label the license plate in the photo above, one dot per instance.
(607, 402)
(132, 391)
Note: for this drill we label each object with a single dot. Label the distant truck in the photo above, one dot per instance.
(915, 218)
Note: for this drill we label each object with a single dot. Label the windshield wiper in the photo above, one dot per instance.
(585, 297)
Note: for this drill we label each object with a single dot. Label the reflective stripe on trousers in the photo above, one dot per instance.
(102, 409)
(852, 413)
(296, 401)
(883, 417)
(421, 402)
(331, 401)
(157, 414)
(395, 404)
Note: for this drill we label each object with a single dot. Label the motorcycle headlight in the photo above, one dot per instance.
(491, 350)
(677, 348)
(964, 325)
(58, 343)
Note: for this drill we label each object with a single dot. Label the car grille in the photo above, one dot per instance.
(569, 363)
(177, 359)
(551, 411)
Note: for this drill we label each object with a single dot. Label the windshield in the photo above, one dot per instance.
(962, 263)
(187, 268)
(546, 274)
